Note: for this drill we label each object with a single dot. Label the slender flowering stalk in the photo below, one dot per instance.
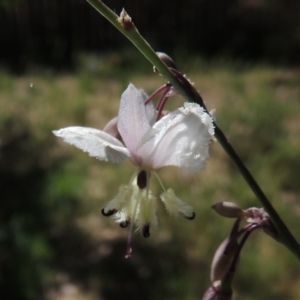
(180, 138)
(127, 28)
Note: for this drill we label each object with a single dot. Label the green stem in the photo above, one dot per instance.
(192, 95)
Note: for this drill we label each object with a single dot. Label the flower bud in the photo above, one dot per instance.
(211, 294)
(125, 20)
(223, 259)
(215, 293)
(228, 209)
(166, 59)
(255, 215)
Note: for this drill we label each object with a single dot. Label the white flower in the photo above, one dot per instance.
(181, 138)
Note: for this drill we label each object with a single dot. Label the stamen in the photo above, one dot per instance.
(159, 180)
(133, 178)
(146, 231)
(168, 91)
(161, 103)
(108, 213)
(192, 217)
(124, 224)
(158, 91)
(142, 179)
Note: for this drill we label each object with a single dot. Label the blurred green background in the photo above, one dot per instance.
(54, 242)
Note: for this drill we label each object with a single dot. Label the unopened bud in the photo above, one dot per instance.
(228, 209)
(255, 215)
(166, 59)
(223, 259)
(125, 20)
(215, 293)
(211, 294)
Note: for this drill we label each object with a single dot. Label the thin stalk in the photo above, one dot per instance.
(192, 95)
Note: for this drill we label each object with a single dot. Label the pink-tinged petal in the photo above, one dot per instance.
(180, 139)
(95, 142)
(150, 111)
(133, 119)
(112, 129)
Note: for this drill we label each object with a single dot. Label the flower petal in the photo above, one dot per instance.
(176, 206)
(112, 129)
(150, 110)
(180, 139)
(133, 118)
(121, 199)
(95, 142)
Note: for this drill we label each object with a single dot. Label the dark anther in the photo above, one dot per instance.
(146, 231)
(124, 224)
(192, 217)
(142, 179)
(108, 213)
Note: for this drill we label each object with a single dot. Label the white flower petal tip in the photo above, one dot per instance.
(56, 132)
(176, 206)
(95, 142)
(207, 120)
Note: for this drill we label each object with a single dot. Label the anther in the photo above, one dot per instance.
(142, 179)
(108, 213)
(146, 231)
(124, 224)
(192, 217)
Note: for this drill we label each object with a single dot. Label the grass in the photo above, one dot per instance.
(55, 242)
